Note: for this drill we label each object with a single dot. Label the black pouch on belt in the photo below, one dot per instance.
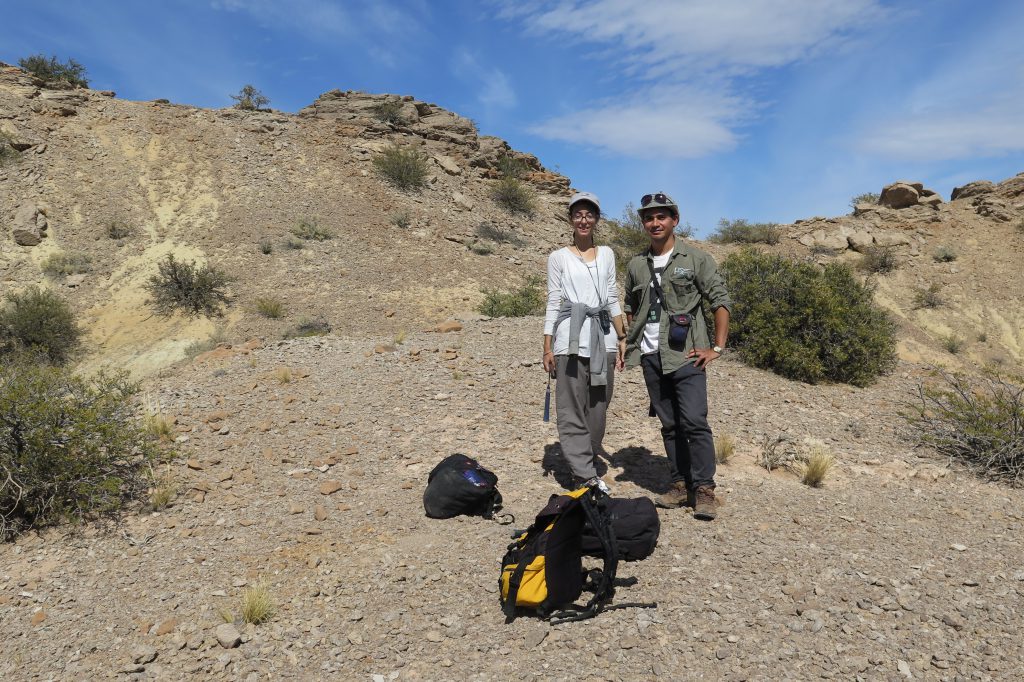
(678, 328)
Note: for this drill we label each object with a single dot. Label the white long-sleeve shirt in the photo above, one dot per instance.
(572, 279)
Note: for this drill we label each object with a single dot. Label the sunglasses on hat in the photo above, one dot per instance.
(658, 197)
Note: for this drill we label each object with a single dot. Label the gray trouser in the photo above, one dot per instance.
(582, 410)
(680, 400)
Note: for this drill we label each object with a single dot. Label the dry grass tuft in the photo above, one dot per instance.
(257, 603)
(725, 448)
(816, 467)
(400, 337)
(163, 491)
(283, 375)
(156, 423)
(270, 308)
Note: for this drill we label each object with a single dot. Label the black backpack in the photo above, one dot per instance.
(634, 523)
(459, 485)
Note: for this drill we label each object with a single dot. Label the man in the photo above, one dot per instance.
(667, 281)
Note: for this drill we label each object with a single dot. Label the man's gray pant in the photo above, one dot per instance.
(680, 400)
(582, 410)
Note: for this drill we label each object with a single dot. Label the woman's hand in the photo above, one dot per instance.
(620, 360)
(549, 362)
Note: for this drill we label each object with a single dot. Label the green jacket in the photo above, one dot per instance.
(689, 273)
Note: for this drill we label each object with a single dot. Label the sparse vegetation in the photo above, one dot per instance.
(742, 232)
(806, 322)
(866, 198)
(250, 99)
(52, 71)
(70, 448)
(266, 247)
(979, 422)
(62, 263)
(400, 337)
(404, 168)
(481, 248)
(216, 338)
(38, 321)
(162, 492)
(117, 229)
(879, 260)
(401, 219)
(283, 375)
(257, 603)
(269, 307)
(486, 230)
(308, 327)
(293, 243)
(309, 230)
(156, 423)
(526, 300)
(514, 196)
(195, 290)
(390, 111)
(982, 337)
(511, 167)
(773, 455)
(725, 448)
(953, 344)
(944, 254)
(815, 467)
(928, 298)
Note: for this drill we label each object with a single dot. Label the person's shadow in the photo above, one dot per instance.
(639, 466)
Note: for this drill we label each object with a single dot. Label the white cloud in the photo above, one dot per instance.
(495, 88)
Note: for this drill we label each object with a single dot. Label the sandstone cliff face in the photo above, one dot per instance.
(212, 185)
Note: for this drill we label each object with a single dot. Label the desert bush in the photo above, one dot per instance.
(308, 327)
(217, 337)
(815, 467)
(928, 298)
(117, 229)
(52, 71)
(257, 603)
(269, 307)
(866, 198)
(953, 344)
(944, 254)
(982, 337)
(742, 232)
(195, 290)
(725, 448)
(70, 448)
(526, 300)
(979, 422)
(311, 231)
(492, 232)
(481, 248)
(774, 454)
(8, 154)
(514, 196)
(401, 219)
(390, 111)
(805, 322)
(511, 167)
(293, 243)
(879, 259)
(61, 263)
(266, 247)
(403, 167)
(250, 99)
(40, 321)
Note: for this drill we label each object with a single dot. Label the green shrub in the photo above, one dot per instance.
(953, 344)
(60, 263)
(117, 229)
(250, 99)
(308, 327)
(50, 70)
(742, 232)
(269, 307)
(866, 198)
(195, 290)
(310, 231)
(928, 298)
(401, 219)
(390, 111)
(266, 247)
(404, 168)
(70, 448)
(511, 167)
(526, 300)
(979, 422)
(40, 321)
(8, 154)
(514, 196)
(807, 323)
(879, 259)
(944, 254)
(497, 234)
(293, 243)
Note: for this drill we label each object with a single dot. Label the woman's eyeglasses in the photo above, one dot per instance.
(583, 215)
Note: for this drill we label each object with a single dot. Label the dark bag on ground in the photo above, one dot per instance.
(634, 524)
(459, 485)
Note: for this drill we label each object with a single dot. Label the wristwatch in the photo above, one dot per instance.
(718, 349)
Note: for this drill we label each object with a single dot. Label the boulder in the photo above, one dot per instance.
(448, 165)
(861, 240)
(995, 208)
(932, 200)
(972, 189)
(30, 225)
(462, 202)
(886, 239)
(899, 195)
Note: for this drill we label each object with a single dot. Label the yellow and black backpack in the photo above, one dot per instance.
(543, 567)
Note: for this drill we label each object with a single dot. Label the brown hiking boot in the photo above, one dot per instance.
(704, 509)
(677, 496)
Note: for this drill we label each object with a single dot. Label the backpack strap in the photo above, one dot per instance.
(603, 577)
(516, 579)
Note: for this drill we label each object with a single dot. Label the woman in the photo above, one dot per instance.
(584, 338)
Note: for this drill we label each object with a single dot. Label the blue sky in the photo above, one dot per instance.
(769, 110)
